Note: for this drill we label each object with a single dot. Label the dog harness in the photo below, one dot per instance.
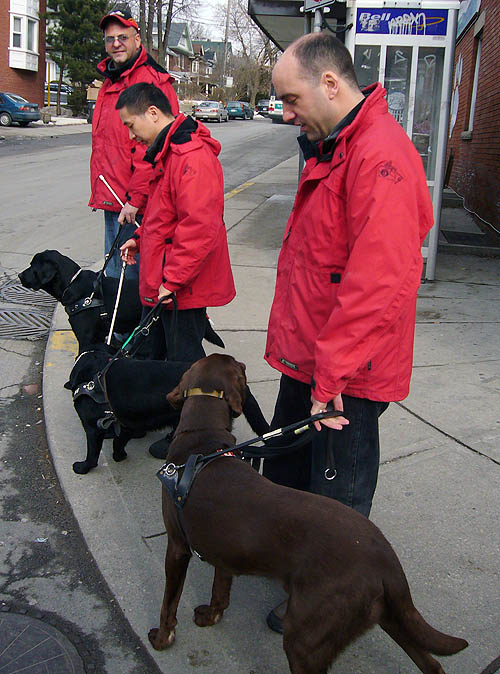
(179, 485)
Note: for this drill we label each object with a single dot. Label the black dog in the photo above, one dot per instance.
(135, 399)
(69, 284)
(134, 393)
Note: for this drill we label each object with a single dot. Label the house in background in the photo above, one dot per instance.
(22, 50)
(181, 52)
(204, 68)
(474, 143)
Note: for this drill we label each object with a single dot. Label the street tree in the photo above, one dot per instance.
(155, 20)
(74, 41)
(254, 52)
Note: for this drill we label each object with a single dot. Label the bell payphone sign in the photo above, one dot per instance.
(393, 21)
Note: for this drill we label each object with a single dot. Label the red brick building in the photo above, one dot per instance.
(475, 112)
(22, 48)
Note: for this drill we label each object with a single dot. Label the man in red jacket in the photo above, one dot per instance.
(342, 322)
(114, 155)
(182, 239)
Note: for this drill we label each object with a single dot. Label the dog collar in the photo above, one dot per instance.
(188, 393)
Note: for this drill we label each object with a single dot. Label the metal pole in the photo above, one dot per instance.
(318, 21)
(437, 195)
(224, 65)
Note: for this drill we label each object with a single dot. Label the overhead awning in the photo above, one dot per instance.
(283, 22)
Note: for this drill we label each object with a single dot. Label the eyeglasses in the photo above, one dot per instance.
(110, 39)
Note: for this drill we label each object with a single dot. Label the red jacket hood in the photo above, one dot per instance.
(184, 135)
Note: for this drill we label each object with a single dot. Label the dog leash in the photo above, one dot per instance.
(298, 428)
(178, 487)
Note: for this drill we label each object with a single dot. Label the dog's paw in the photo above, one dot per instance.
(83, 467)
(158, 642)
(205, 615)
(119, 455)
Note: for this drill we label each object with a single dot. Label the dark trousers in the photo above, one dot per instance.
(356, 449)
(176, 337)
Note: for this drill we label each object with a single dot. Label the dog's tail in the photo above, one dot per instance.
(253, 414)
(403, 613)
(211, 336)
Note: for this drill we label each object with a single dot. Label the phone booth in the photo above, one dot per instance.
(408, 46)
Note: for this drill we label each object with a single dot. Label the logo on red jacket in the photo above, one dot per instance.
(387, 170)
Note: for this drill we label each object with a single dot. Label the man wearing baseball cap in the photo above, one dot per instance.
(115, 156)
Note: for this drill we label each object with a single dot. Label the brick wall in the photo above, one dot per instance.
(476, 165)
(26, 83)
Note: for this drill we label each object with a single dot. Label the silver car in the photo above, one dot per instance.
(211, 110)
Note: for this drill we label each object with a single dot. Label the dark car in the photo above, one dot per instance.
(239, 109)
(262, 107)
(248, 110)
(14, 108)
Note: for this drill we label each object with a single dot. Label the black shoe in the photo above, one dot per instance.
(159, 449)
(274, 619)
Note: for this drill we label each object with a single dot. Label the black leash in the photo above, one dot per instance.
(178, 486)
(297, 428)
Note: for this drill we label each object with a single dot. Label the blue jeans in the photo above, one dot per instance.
(111, 227)
(356, 449)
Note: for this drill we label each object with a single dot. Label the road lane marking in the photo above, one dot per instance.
(236, 190)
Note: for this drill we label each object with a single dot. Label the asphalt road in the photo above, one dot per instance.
(46, 570)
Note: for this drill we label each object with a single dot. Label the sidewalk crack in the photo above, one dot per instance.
(447, 435)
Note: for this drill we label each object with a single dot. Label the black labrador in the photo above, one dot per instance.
(68, 283)
(133, 397)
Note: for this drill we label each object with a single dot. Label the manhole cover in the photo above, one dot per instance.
(12, 291)
(23, 324)
(31, 646)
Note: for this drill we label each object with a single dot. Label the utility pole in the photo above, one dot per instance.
(224, 65)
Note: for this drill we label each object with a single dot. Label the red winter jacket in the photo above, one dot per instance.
(182, 239)
(119, 159)
(343, 315)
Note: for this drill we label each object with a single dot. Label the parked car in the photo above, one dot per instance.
(211, 110)
(239, 109)
(14, 108)
(248, 110)
(65, 91)
(262, 107)
(275, 110)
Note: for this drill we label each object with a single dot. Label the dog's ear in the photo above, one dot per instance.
(175, 397)
(67, 385)
(45, 272)
(236, 389)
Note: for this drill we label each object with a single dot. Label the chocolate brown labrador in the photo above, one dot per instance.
(341, 575)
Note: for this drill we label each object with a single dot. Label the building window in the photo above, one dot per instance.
(32, 35)
(475, 82)
(16, 31)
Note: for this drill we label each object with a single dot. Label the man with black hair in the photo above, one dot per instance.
(114, 155)
(182, 239)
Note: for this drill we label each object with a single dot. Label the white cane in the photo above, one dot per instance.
(124, 264)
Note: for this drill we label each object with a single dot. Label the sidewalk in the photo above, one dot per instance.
(438, 496)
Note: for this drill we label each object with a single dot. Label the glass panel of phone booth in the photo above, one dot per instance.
(427, 105)
(366, 64)
(397, 82)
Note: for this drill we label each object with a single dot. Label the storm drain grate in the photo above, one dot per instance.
(24, 323)
(12, 291)
(31, 646)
